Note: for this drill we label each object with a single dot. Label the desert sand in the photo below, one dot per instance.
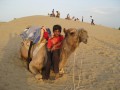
(93, 66)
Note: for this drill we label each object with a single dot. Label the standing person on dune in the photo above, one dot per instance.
(92, 21)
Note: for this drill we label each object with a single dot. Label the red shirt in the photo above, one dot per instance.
(46, 35)
(54, 41)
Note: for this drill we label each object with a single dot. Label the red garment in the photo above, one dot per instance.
(46, 35)
(54, 41)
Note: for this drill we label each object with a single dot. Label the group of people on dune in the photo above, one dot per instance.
(54, 15)
(69, 18)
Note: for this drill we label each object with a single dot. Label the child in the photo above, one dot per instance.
(53, 52)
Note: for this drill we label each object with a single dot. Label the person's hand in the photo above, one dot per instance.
(44, 28)
(53, 48)
(49, 49)
(51, 37)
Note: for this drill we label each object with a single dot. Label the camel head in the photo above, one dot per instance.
(71, 36)
(74, 35)
(25, 43)
(83, 35)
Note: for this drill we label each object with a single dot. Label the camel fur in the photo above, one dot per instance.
(72, 39)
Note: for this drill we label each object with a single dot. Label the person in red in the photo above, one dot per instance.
(53, 52)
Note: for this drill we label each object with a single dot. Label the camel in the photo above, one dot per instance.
(71, 41)
(52, 14)
(38, 60)
(68, 18)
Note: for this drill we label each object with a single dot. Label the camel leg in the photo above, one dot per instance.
(33, 69)
(62, 63)
(61, 70)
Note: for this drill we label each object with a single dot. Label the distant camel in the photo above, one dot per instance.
(52, 14)
(68, 18)
(72, 39)
(76, 19)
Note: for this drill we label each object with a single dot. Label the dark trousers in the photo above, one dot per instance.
(52, 61)
(29, 58)
(92, 22)
(56, 60)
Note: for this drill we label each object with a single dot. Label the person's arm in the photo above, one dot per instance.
(41, 35)
(55, 46)
(49, 45)
(58, 44)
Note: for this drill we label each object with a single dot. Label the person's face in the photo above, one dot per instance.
(56, 33)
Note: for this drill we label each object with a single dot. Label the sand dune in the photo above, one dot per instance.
(1, 23)
(97, 64)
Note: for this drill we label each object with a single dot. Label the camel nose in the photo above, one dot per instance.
(85, 41)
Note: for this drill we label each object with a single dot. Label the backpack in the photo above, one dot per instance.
(32, 34)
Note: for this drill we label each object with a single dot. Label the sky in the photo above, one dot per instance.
(104, 12)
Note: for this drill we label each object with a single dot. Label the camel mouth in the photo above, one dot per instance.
(85, 41)
(22, 43)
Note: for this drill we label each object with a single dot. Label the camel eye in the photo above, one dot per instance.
(72, 33)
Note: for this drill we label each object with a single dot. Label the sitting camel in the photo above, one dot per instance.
(68, 18)
(38, 60)
(52, 14)
(71, 41)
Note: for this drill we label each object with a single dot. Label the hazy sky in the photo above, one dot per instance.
(104, 12)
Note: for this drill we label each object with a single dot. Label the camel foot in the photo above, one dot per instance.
(61, 72)
(38, 77)
(57, 76)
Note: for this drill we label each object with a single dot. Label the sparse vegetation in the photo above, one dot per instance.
(119, 28)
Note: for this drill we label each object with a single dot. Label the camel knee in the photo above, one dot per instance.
(61, 65)
(33, 69)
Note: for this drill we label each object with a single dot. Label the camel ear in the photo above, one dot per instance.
(81, 31)
(73, 30)
(22, 43)
(64, 30)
